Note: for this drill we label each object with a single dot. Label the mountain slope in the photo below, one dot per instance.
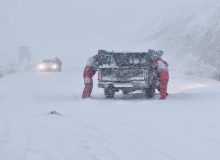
(190, 34)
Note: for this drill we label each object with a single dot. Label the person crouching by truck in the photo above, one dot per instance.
(88, 73)
(162, 74)
(163, 77)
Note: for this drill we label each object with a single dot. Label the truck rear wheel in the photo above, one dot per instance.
(109, 92)
(125, 92)
(150, 92)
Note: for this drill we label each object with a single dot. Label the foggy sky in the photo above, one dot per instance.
(73, 27)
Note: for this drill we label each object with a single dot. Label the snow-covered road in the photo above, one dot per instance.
(186, 126)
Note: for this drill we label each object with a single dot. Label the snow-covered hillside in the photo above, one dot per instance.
(42, 116)
(191, 36)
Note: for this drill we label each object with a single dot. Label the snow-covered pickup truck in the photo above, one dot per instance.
(126, 71)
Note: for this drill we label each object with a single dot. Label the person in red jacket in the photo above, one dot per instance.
(89, 72)
(163, 77)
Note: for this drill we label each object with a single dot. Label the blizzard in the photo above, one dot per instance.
(42, 116)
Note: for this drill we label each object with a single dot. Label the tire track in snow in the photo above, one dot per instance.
(138, 140)
(87, 138)
(17, 139)
(130, 139)
(48, 140)
(141, 145)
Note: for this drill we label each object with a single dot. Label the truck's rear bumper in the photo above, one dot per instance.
(134, 84)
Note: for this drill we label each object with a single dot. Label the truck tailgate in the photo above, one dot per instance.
(121, 75)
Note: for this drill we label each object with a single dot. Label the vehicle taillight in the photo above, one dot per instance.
(100, 75)
(146, 75)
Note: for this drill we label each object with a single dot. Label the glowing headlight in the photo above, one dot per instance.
(41, 66)
(54, 66)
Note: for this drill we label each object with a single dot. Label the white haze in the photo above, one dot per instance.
(42, 115)
(190, 37)
(73, 29)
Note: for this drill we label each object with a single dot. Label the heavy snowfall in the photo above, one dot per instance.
(42, 114)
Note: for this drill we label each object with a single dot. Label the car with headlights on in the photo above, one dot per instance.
(48, 65)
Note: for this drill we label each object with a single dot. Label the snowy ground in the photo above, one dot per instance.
(183, 127)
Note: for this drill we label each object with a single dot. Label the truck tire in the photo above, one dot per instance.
(150, 92)
(109, 92)
(125, 92)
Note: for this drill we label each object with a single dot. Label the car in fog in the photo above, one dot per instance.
(49, 65)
